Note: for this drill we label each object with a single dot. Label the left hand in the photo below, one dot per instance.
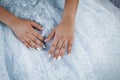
(63, 39)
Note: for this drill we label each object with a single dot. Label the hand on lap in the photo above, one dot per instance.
(63, 36)
(24, 31)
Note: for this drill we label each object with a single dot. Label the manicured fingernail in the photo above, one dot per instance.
(43, 46)
(54, 59)
(45, 40)
(30, 48)
(42, 28)
(59, 57)
(49, 55)
(39, 48)
(68, 54)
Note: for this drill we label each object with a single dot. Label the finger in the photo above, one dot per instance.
(28, 38)
(30, 42)
(27, 45)
(32, 39)
(63, 49)
(53, 46)
(57, 50)
(70, 46)
(39, 43)
(24, 42)
(35, 25)
(36, 41)
(33, 44)
(37, 35)
(51, 35)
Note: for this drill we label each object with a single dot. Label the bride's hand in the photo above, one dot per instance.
(63, 39)
(24, 31)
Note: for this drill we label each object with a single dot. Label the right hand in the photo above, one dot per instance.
(24, 31)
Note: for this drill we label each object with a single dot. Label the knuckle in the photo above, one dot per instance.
(58, 48)
(37, 34)
(24, 41)
(61, 37)
(53, 45)
(62, 53)
(63, 48)
(69, 49)
(21, 39)
(71, 37)
(26, 32)
(40, 37)
(19, 36)
(38, 42)
(34, 40)
(70, 44)
(41, 44)
(56, 55)
(35, 46)
(31, 43)
(57, 35)
(29, 40)
(51, 51)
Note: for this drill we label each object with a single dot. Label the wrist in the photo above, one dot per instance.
(70, 18)
(12, 21)
(68, 21)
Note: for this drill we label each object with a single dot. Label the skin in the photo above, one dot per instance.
(23, 29)
(63, 33)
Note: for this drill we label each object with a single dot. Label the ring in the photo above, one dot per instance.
(34, 40)
(57, 48)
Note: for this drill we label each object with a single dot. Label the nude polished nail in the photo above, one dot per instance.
(59, 57)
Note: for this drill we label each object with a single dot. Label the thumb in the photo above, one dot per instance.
(50, 36)
(35, 25)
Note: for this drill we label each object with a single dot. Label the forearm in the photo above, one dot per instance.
(6, 17)
(70, 10)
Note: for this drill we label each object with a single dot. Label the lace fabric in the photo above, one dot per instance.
(96, 49)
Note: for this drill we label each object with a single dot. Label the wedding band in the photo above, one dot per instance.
(34, 40)
(57, 48)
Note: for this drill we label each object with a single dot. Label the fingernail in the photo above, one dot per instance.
(68, 54)
(43, 46)
(49, 55)
(54, 59)
(39, 48)
(45, 40)
(30, 48)
(59, 57)
(42, 28)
